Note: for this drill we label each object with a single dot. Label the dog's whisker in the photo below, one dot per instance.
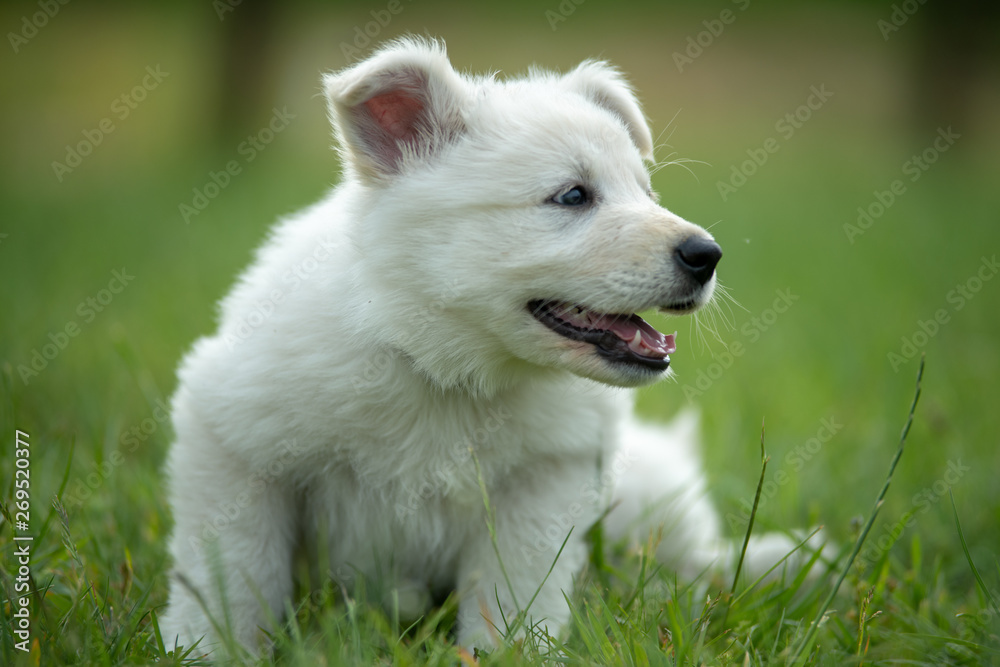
(705, 323)
(670, 127)
(680, 162)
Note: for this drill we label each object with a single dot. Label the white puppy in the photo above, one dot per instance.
(450, 317)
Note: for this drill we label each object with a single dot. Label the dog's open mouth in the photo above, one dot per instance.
(619, 338)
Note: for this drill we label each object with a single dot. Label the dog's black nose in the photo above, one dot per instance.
(698, 257)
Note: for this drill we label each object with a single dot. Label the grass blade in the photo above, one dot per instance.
(753, 516)
(968, 557)
(802, 652)
(491, 527)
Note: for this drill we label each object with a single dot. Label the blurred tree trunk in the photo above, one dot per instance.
(246, 87)
(958, 57)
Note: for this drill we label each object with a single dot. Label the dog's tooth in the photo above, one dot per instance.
(636, 342)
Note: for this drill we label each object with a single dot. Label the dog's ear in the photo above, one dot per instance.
(402, 104)
(603, 85)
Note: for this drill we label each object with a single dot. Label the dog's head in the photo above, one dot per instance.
(511, 225)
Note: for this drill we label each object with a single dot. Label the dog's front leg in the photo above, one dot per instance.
(532, 522)
(232, 548)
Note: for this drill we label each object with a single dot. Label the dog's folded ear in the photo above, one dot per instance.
(401, 105)
(603, 85)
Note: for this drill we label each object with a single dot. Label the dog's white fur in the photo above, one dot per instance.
(382, 336)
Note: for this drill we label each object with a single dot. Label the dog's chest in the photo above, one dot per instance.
(419, 449)
(408, 491)
(437, 454)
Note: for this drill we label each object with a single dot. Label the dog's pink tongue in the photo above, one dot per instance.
(640, 336)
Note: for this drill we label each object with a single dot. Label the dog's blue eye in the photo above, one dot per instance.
(576, 196)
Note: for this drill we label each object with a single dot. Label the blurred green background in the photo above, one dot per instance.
(717, 81)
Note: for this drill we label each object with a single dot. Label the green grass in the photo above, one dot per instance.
(924, 586)
(627, 610)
